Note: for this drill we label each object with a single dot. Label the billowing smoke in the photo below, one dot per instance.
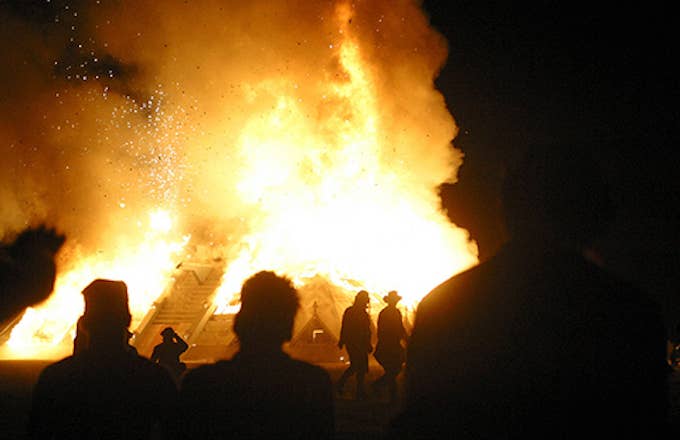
(236, 117)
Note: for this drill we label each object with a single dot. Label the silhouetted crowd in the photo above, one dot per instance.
(539, 341)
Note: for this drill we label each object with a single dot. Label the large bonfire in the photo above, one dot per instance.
(304, 137)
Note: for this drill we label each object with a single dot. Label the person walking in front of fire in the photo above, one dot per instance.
(355, 335)
(168, 351)
(389, 351)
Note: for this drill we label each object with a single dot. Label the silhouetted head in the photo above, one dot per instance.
(268, 306)
(556, 194)
(361, 298)
(106, 308)
(167, 333)
(392, 297)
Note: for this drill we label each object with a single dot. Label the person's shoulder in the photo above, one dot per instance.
(308, 369)
(59, 368)
(455, 288)
(145, 368)
(143, 362)
(63, 363)
(209, 373)
(620, 292)
(307, 375)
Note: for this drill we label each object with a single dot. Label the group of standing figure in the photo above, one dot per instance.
(106, 390)
(355, 336)
(537, 342)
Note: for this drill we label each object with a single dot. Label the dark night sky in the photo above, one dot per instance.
(518, 75)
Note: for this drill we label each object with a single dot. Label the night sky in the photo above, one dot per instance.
(520, 75)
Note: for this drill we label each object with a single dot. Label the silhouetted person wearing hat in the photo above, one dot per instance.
(538, 341)
(168, 351)
(355, 335)
(105, 391)
(389, 351)
(261, 392)
(27, 269)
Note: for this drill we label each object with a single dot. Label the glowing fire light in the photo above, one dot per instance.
(160, 221)
(144, 267)
(349, 219)
(301, 137)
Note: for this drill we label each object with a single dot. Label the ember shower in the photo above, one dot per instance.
(304, 137)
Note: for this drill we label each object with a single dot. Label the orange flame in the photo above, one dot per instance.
(344, 217)
(143, 266)
(277, 137)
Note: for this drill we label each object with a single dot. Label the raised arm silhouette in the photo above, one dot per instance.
(168, 351)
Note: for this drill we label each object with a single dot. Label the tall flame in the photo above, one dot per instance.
(327, 203)
(301, 137)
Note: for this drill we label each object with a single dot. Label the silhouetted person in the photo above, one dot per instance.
(168, 351)
(389, 351)
(539, 342)
(261, 392)
(355, 335)
(82, 340)
(27, 269)
(105, 391)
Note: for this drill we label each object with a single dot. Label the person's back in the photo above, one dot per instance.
(121, 396)
(105, 390)
(168, 353)
(356, 327)
(390, 327)
(535, 343)
(538, 341)
(261, 392)
(270, 396)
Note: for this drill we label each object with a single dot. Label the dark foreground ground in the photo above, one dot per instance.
(354, 419)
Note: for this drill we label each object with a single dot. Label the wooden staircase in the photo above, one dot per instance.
(186, 307)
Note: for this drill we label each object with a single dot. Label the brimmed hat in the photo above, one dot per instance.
(106, 303)
(392, 296)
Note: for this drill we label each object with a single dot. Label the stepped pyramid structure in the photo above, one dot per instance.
(187, 306)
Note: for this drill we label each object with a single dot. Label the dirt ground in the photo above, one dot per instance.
(354, 419)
